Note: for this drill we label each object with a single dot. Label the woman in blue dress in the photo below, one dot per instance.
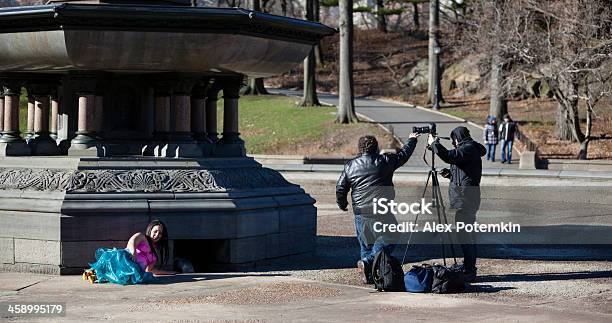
(136, 263)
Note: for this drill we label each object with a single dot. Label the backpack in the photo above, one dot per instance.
(387, 273)
(447, 279)
(419, 279)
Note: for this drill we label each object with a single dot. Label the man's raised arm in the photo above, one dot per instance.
(404, 154)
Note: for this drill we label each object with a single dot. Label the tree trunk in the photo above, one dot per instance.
(584, 145)
(380, 16)
(310, 97)
(499, 105)
(415, 15)
(255, 5)
(284, 7)
(433, 43)
(346, 104)
(310, 83)
(318, 50)
(255, 87)
(562, 128)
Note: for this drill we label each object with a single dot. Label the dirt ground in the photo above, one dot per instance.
(337, 142)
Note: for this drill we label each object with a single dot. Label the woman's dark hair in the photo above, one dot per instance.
(368, 144)
(160, 247)
(508, 117)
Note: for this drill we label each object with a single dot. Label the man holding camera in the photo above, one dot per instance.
(369, 176)
(464, 188)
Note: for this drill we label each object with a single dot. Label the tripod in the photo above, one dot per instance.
(438, 203)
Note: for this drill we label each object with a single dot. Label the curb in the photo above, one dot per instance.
(422, 170)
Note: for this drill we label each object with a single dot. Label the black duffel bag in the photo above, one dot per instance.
(447, 280)
(387, 273)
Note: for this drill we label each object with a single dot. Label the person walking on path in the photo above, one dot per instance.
(490, 137)
(507, 131)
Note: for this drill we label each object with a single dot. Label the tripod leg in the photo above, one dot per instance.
(442, 211)
(435, 196)
(416, 218)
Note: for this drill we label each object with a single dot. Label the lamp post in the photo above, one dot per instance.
(437, 90)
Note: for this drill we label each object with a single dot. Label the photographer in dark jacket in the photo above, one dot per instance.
(464, 188)
(368, 176)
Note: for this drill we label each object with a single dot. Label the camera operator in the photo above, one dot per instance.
(464, 189)
(368, 176)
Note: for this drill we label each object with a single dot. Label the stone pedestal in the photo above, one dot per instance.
(55, 212)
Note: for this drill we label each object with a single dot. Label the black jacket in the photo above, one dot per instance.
(466, 169)
(369, 176)
(507, 131)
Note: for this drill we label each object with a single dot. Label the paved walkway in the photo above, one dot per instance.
(402, 117)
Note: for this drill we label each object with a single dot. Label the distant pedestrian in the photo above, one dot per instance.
(507, 130)
(490, 137)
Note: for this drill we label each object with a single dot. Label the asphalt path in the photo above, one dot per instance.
(401, 118)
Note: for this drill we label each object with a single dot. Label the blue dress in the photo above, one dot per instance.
(116, 266)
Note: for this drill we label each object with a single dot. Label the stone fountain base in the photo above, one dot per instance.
(220, 212)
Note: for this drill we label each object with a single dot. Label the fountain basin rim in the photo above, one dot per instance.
(68, 16)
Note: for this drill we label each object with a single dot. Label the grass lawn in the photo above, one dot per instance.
(273, 124)
(271, 121)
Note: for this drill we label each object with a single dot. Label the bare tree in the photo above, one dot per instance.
(565, 43)
(346, 105)
(415, 15)
(434, 64)
(499, 103)
(380, 16)
(318, 50)
(310, 83)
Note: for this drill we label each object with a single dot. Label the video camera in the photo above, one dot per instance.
(431, 129)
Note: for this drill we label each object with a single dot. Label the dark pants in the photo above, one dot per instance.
(491, 151)
(506, 153)
(371, 242)
(467, 239)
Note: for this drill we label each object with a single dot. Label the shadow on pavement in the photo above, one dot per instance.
(336, 252)
(546, 276)
(185, 278)
(485, 288)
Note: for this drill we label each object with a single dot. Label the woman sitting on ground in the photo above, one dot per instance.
(136, 263)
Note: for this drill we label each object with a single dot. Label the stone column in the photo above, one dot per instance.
(42, 143)
(199, 120)
(198, 113)
(11, 144)
(1, 110)
(231, 145)
(162, 116)
(182, 143)
(29, 135)
(212, 96)
(98, 113)
(54, 115)
(86, 142)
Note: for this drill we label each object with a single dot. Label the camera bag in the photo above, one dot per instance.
(387, 273)
(447, 280)
(419, 279)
